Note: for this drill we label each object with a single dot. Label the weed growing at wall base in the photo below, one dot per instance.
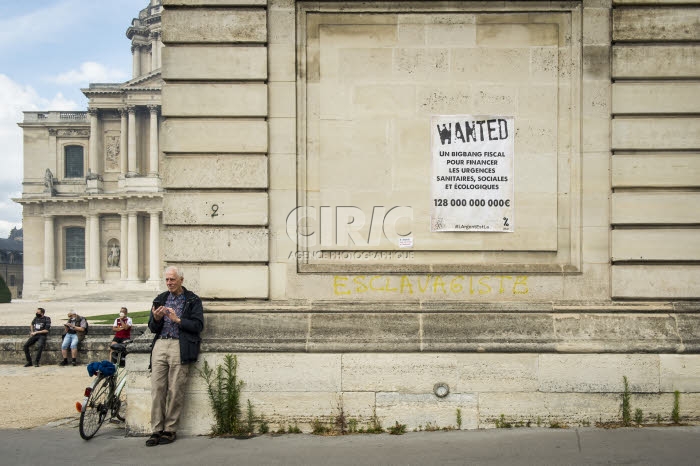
(625, 405)
(676, 413)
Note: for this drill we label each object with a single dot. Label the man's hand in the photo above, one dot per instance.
(159, 313)
(172, 315)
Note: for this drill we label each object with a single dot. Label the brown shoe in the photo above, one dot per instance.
(153, 439)
(166, 438)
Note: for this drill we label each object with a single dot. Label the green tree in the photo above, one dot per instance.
(5, 295)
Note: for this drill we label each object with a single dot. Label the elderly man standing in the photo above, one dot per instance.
(176, 320)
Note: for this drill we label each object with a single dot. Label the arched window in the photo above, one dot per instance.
(74, 161)
(75, 248)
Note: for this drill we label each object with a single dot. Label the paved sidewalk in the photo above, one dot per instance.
(585, 446)
(21, 312)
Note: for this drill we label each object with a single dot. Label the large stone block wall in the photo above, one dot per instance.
(528, 329)
(656, 150)
(215, 140)
(569, 389)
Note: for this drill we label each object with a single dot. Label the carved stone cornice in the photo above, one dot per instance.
(69, 133)
(72, 132)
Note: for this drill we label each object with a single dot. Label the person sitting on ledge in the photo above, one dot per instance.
(38, 331)
(72, 331)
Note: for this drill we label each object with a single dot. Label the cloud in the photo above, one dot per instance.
(90, 72)
(41, 25)
(15, 98)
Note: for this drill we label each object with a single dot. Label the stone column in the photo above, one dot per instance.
(94, 140)
(49, 251)
(132, 140)
(154, 259)
(136, 52)
(147, 69)
(86, 251)
(133, 251)
(124, 239)
(153, 153)
(95, 274)
(123, 141)
(154, 51)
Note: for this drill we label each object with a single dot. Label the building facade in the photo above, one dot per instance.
(296, 189)
(92, 194)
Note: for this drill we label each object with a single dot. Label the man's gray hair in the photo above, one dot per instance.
(177, 271)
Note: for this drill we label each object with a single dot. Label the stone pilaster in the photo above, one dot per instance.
(153, 143)
(124, 238)
(49, 252)
(154, 259)
(131, 170)
(133, 248)
(123, 141)
(155, 58)
(94, 160)
(136, 54)
(95, 270)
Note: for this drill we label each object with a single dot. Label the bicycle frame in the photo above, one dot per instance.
(115, 387)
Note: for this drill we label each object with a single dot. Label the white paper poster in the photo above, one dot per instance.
(472, 178)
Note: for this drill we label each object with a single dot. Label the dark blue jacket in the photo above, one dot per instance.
(190, 327)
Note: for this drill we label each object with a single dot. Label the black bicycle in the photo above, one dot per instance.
(105, 398)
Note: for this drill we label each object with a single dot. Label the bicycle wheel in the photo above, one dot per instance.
(119, 407)
(96, 408)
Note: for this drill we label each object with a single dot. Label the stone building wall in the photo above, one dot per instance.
(272, 106)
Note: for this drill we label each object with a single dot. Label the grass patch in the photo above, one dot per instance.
(139, 317)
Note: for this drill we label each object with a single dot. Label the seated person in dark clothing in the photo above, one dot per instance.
(38, 331)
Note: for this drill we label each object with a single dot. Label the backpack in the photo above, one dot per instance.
(81, 336)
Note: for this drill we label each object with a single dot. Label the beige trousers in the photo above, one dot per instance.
(168, 379)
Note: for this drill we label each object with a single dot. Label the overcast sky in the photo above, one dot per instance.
(49, 49)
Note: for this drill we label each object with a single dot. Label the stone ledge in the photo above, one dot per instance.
(461, 332)
(95, 346)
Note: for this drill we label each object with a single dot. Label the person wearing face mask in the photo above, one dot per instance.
(74, 329)
(122, 328)
(38, 331)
